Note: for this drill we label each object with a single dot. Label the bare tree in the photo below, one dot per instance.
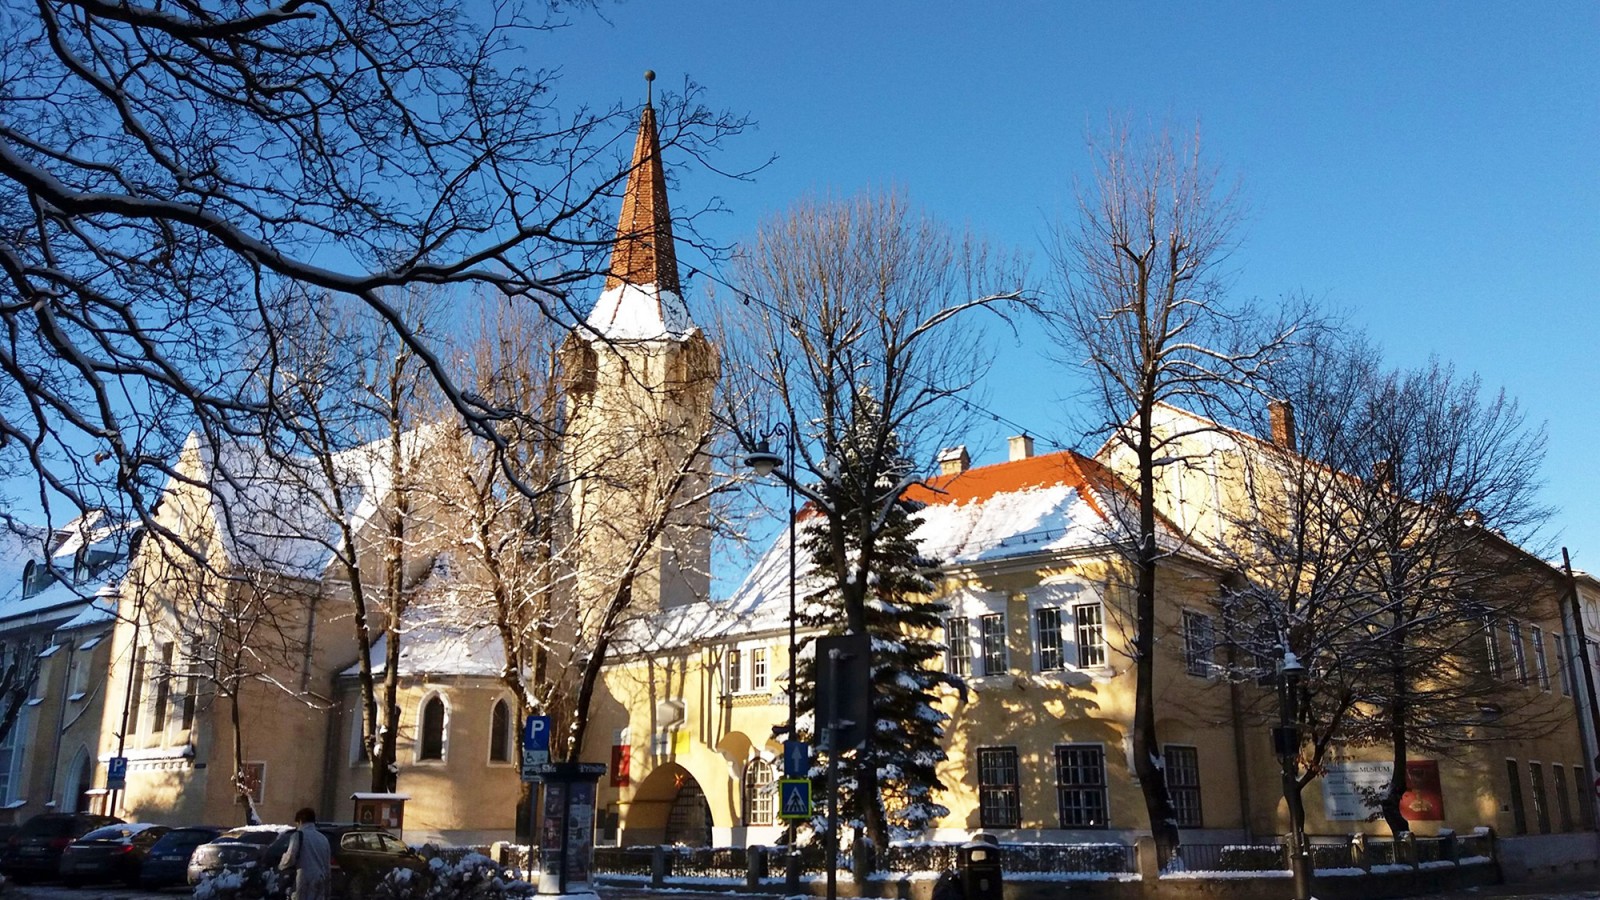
(1451, 494)
(347, 401)
(1142, 307)
(857, 338)
(167, 170)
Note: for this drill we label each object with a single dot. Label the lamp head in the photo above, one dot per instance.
(763, 460)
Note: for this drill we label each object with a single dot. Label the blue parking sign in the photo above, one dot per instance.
(117, 773)
(536, 733)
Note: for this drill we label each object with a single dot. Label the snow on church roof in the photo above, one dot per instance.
(275, 513)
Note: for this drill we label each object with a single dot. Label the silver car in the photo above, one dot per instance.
(235, 850)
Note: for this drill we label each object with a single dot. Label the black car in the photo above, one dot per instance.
(111, 853)
(234, 850)
(34, 852)
(362, 856)
(167, 863)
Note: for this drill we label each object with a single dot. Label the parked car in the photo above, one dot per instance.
(167, 864)
(34, 852)
(362, 856)
(110, 853)
(235, 850)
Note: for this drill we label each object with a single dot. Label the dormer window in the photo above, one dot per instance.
(35, 578)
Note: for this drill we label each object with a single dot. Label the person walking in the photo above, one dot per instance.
(308, 857)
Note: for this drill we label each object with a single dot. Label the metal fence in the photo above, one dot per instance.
(1232, 857)
(624, 860)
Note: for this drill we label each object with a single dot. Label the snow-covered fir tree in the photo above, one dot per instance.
(877, 579)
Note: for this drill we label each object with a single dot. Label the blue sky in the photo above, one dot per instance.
(1431, 168)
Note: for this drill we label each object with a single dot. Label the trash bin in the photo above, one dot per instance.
(979, 862)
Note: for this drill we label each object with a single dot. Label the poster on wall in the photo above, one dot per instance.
(1351, 789)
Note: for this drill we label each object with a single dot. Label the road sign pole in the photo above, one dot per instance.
(833, 777)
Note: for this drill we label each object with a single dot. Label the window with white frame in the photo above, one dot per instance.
(1518, 654)
(1541, 666)
(1048, 638)
(758, 800)
(758, 669)
(1199, 643)
(1491, 648)
(735, 671)
(958, 638)
(1089, 627)
(1183, 784)
(1081, 785)
(993, 628)
(1563, 675)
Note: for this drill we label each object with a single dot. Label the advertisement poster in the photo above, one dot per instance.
(555, 809)
(580, 831)
(1350, 790)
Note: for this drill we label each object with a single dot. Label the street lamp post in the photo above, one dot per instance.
(1286, 741)
(765, 462)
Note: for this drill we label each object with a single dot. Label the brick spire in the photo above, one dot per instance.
(642, 299)
(643, 253)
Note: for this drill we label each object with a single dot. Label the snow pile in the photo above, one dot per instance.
(472, 877)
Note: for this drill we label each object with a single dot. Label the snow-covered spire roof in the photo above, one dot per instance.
(642, 299)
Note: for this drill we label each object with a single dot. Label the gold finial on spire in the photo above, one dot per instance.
(649, 76)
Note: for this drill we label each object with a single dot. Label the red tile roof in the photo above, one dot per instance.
(984, 482)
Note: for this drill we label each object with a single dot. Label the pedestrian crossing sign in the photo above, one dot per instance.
(794, 798)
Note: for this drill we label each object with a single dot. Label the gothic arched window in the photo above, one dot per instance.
(430, 745)
(500, 732)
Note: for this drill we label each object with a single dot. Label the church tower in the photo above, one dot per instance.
(639, 377)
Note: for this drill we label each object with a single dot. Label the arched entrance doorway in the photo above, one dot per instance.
(689, 821)
(81, 779)
(670, 807)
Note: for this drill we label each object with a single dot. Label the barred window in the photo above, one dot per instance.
(999, 802)
(1197, 643)
(735, 667)
(958, 637)
(994, 643)
(1081, 785)
(758, 778)
(1536, 634)
(1183, 784)
(758, 669)
(1047, 628)
(1089, 622)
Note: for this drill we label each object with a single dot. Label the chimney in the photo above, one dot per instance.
(954, 460)
(1383, 474)
(1021, 447)
(1281, 412)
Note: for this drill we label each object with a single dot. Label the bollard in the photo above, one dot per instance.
(660, 866)
(863, 860)
(755, 865)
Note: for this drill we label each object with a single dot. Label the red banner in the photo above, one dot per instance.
(1423, 800)
(621, 756)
